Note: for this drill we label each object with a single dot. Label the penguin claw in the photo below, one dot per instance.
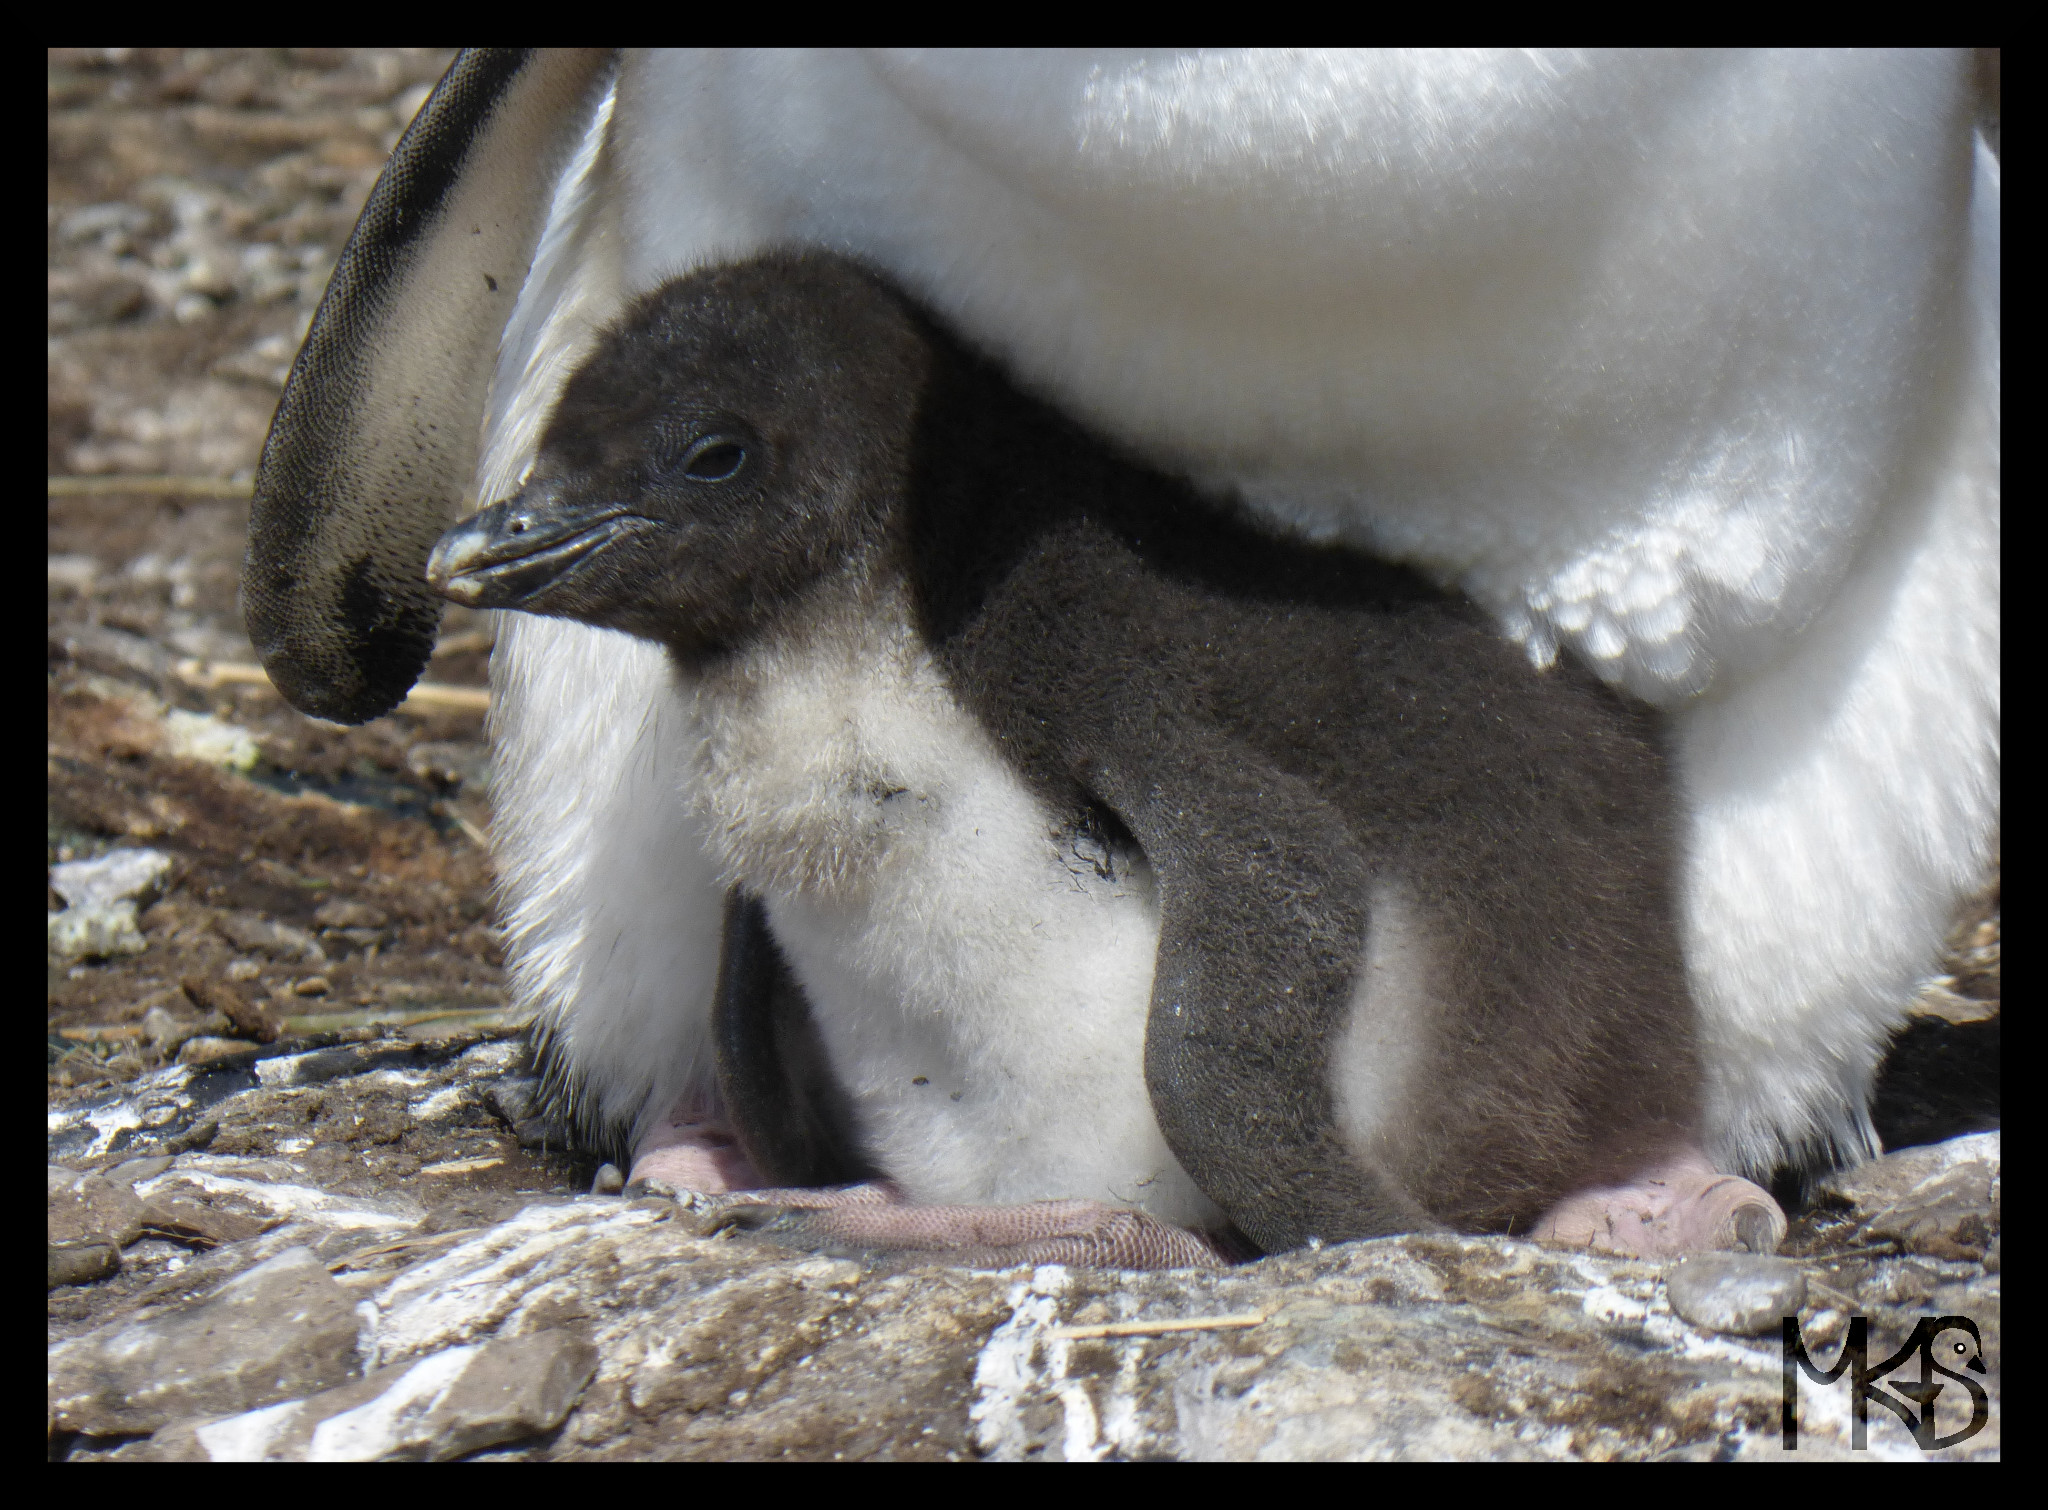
(1760, 1228)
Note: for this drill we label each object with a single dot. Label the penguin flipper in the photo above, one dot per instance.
(1262, 924)
(375, 441)
(1267, 911)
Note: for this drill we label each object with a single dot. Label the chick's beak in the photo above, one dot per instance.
(507, 555)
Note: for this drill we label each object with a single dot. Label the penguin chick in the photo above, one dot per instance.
(1122, 853)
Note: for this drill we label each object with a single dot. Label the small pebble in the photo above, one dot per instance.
(1742, 1293)
(97, 930)
(1825, 1329)
(166, 1030)
(124, 875)
(346, 914)
(196, 1137)
(83, 1263)
(248, 1019)
(73, 574)
(202, 1050)
(312, 985)
(242, 970)
(202, 737)
(452, 765)
(256, 934)
(609, 1181)
(136, 1170)
(539, 1132)
(511, 1100)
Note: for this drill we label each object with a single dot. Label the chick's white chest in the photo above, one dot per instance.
(979, 969)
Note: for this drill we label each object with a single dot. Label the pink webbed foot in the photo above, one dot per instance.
(692, 1148)
(1683, 1205)
(1038, 1232)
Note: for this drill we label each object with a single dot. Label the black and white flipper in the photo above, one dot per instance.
(375, 442)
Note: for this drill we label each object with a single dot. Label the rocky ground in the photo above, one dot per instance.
(246, 1274)
(292, 1158)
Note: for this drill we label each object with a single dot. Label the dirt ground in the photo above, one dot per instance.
(197, 200)
(334, 878)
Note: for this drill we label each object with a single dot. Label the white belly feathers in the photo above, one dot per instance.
(979, 974)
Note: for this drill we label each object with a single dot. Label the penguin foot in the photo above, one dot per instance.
(1039, 1232)
(691, 1150)
(1683, 1205)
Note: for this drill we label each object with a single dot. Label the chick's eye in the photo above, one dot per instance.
(714, 459)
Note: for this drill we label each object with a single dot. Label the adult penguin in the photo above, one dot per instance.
(1689, 361)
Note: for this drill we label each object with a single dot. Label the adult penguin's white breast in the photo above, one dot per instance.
(1688, 362)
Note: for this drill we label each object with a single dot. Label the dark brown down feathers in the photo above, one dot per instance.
(1283, 729)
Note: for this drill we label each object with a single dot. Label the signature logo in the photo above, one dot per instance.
(1911, 1400)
